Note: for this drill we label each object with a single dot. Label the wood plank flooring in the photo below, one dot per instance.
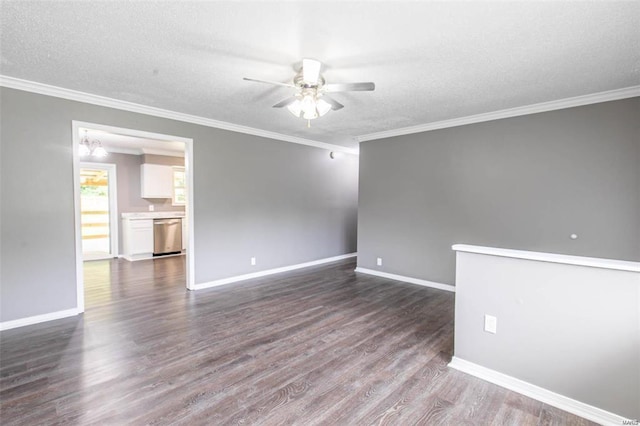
(320, 346)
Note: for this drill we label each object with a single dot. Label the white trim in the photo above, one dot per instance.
(74, 95)
(7, 325)
(189, 208)
(417, 281)
(141, 134)
(271, 271)
(75, 140)
(594, 98)
(536, 392)
(188, 164)
(149, 256)
(620, 265)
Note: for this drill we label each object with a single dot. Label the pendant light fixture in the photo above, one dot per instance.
(92, 148)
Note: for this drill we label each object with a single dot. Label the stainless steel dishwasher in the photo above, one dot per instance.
(167, 236)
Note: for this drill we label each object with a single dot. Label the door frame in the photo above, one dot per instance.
(188, 168)
(113, 205)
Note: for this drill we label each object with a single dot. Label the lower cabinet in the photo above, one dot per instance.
(138, 238)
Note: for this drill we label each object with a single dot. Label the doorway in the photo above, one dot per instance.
(187, 144)
(98, 211)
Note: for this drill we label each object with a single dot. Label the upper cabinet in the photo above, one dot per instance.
(156, 181)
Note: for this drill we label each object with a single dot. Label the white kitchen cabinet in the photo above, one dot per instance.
(156, 181)
(138, 238)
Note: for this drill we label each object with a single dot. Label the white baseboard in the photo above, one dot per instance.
(543, 395)
(137, 257)
(416, 281)
(244, 277)
(7, 325)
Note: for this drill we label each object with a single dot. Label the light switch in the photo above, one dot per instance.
(490, 324)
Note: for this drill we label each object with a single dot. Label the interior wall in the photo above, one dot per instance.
(573, 330)
(165, 160)
(128, 184)
(522, 183)
(254, 197)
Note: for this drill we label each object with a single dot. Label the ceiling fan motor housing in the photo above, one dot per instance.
(299, 82)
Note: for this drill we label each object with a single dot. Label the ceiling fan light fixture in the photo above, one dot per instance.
(310, 87)
(310, 115)
(308, 105)
(323, 107)
(310, 71)
(295, 108)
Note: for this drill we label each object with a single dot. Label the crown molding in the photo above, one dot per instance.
(74, 95)
(594, 98)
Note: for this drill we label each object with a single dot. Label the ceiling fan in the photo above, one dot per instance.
(310, 99)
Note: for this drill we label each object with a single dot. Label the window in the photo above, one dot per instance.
(179, 188)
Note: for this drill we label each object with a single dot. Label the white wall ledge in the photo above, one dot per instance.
(594, 262)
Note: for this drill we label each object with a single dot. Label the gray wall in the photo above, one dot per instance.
(128, 184)
(523, 183)
(280, 202)
(573, 330)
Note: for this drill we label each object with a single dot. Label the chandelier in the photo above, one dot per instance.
(92, 148)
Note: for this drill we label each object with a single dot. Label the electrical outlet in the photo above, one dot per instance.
(151, 207)
(490, 324)
(379, 261)
(253, 261)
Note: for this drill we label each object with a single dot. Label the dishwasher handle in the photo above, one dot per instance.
(169, 222)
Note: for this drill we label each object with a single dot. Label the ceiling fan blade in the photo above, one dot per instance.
(270, 82)
(285, 102)
(310, 71)
(335, 105)
(349, 87)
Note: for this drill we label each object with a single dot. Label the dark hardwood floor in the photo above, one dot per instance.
(322, 345)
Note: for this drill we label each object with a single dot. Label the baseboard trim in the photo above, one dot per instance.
(536, 392)
(417, 281)
(22, 322)
(244, 277)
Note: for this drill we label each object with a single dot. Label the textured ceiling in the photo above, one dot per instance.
(430, 61)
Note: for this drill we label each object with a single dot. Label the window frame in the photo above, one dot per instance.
(174, 170)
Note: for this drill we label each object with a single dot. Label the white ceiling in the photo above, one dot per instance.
(431, 61)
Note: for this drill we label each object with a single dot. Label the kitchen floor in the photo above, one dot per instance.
(108, 280)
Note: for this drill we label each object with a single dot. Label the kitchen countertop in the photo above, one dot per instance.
(152, 215)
